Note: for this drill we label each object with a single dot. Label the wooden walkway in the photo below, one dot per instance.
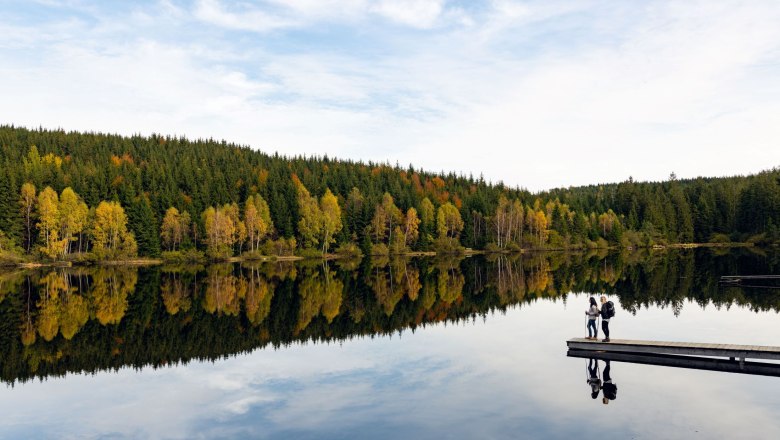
(730, 351)
(737, 279)
(677, 361)
(750, 277)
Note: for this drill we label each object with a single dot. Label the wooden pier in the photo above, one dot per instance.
(688, 362)
(750, 277)
(730, 351)
(736, 279)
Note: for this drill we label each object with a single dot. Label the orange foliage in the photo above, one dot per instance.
(416, 182)
(262, 176)
(118, 161)
(457, 201)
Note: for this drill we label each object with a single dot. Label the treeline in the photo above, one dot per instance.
(184, 196)
(91, 318)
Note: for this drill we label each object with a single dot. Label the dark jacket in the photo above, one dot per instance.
(610, 390)
(603, 312)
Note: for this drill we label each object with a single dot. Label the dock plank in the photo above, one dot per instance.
(677, 347)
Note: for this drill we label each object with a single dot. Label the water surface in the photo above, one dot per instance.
(423, 348)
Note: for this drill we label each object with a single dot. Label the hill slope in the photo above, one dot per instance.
(380, 207)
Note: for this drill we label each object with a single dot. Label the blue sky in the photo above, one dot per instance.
(536, 94)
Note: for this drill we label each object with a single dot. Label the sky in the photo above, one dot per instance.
(536, 94)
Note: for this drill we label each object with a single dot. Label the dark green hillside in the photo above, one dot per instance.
(381, 208)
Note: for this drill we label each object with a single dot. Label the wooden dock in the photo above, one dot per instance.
(750, 277)
(736, 279)
(687, 362)
(730, 351)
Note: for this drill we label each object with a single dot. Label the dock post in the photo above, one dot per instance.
(742, 362)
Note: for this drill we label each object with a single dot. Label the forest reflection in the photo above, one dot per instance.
(61, 320)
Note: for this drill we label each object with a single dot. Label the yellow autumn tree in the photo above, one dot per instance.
(411, 227)
(221, 231)
(239, 227)
(73, 213)
(310, 221)
(257, 217)
(448, 221)
(27, 202)
(109, 231)
(386, 218)
(49, 222)
(174, 228)
(331, 219)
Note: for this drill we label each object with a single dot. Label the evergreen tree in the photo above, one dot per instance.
(10, 217)
(143, 223)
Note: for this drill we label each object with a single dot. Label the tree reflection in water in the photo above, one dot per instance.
(61, 320)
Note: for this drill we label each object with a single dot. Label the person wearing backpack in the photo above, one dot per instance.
(593, 313)
(607, 312)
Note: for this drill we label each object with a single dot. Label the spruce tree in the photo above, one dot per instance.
(10, 216)
(143, 222)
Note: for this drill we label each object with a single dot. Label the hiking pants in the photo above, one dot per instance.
(592, 323)
(605, 328)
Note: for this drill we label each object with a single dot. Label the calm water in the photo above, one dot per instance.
(425, 348)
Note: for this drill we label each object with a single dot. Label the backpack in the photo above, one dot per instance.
(609, 309)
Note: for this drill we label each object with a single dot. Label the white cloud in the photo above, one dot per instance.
(249, 19)
(537, 94)
(415, 13)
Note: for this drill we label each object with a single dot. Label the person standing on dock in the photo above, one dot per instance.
(607, 312)
(593, 314)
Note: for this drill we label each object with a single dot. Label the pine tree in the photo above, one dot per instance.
(10, 218)
(143, 223)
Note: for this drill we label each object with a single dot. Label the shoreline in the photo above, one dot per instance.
(141, 261)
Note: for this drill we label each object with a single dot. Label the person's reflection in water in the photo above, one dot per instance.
(610, 389)
(593, 378)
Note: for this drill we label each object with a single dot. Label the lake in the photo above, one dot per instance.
(425, 348)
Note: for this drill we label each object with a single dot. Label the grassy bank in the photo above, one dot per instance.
(16, 261)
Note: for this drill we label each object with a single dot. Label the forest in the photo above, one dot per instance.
(86, 197)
